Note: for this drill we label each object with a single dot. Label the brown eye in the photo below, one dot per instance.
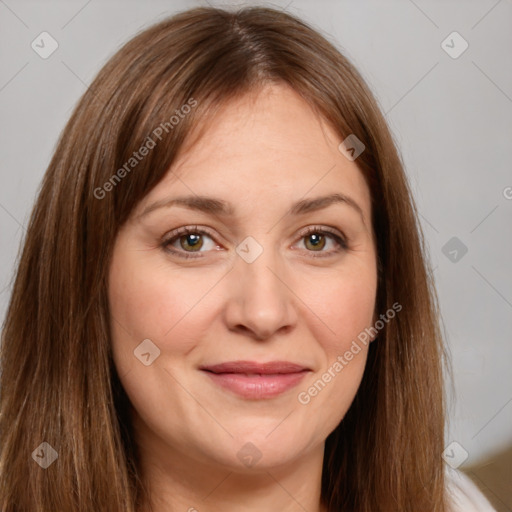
(191, 240)
(317, 241)
(317, 238)
(186, 241)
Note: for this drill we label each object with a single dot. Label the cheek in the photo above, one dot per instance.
(330, 394)
(145, 304)
(147, 301)
(346, 307)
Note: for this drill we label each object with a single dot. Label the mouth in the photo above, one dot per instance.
(256, 381)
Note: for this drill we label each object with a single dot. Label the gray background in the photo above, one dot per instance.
(452, 120)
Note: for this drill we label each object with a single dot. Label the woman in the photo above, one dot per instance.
(222, 300)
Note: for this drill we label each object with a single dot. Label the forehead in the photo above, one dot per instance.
(269, 147)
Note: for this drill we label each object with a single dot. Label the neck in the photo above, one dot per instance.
(176, 482)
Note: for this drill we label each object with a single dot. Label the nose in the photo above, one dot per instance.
(260, 301)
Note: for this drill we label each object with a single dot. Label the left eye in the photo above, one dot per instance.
(317, 238)
(190, 240)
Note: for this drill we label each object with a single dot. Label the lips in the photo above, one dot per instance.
(248, 367)
(252, 380)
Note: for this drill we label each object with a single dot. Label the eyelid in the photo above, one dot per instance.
(184, 230)
(339, 237)
(315, 228)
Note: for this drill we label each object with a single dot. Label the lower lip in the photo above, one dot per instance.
(257, 386)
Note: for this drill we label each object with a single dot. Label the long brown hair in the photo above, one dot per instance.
(58, 383)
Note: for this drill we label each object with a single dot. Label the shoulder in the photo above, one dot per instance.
(463, 494)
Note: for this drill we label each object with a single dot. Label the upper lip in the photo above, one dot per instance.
(269, 368)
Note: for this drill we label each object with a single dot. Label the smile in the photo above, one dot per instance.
(256, 381)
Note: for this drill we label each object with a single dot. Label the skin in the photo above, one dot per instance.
(263, 152)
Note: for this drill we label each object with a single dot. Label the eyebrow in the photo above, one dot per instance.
(222, 208)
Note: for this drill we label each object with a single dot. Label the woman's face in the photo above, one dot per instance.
(247, 284)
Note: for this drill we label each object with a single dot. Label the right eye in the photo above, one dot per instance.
(187, 237)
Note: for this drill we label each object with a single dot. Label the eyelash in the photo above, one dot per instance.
(175, 235)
